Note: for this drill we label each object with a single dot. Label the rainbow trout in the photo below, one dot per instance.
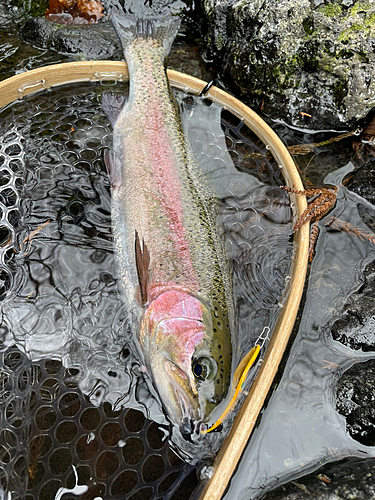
(172, 264)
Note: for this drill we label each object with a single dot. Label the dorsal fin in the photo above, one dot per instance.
(142, 260)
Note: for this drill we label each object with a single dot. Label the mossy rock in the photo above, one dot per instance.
(33, 8)
(300, 58)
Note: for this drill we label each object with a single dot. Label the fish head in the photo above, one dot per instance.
(189, 364)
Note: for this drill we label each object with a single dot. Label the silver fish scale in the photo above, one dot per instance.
(73, 396)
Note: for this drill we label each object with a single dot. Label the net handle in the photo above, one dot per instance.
(230, 453)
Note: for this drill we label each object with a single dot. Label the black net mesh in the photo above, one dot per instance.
(77, 417)
(48, 425)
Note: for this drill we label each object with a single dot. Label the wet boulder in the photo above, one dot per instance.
(297, 58)
(93, 41)
(355, 327)
(355, 401)
(362, 181)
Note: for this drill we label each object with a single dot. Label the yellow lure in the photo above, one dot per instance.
(239, 378)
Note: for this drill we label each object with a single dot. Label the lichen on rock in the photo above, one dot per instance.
(311, 56)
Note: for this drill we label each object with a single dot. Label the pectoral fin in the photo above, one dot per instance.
(113, 104)
(142, 260)
(113, 169)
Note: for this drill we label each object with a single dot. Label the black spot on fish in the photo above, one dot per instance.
(219, 346)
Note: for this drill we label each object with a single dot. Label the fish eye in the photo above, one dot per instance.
(204, 368)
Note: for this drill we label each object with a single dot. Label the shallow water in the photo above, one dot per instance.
(16, 55)
(301, 429)
(61, 303)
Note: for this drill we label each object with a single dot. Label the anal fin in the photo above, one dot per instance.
(142, 260)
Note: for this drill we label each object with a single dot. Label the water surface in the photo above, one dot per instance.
(61, 303)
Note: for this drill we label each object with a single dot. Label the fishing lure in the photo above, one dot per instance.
(239, 378)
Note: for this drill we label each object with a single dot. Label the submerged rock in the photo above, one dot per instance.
(356, 401)
(343, 481)
(299, 56)
(356, 326)
(363, 181)
(95, 41)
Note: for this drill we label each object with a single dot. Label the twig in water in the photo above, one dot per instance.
(322, 200)
(36, 231)
(341, 225)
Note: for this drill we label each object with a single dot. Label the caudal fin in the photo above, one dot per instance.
(129, 28)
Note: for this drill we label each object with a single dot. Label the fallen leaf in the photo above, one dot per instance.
(66, 11)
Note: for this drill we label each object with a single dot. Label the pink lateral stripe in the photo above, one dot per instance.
(168, 184)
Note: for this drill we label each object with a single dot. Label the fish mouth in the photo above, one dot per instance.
(185, 397)
(187, 428)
